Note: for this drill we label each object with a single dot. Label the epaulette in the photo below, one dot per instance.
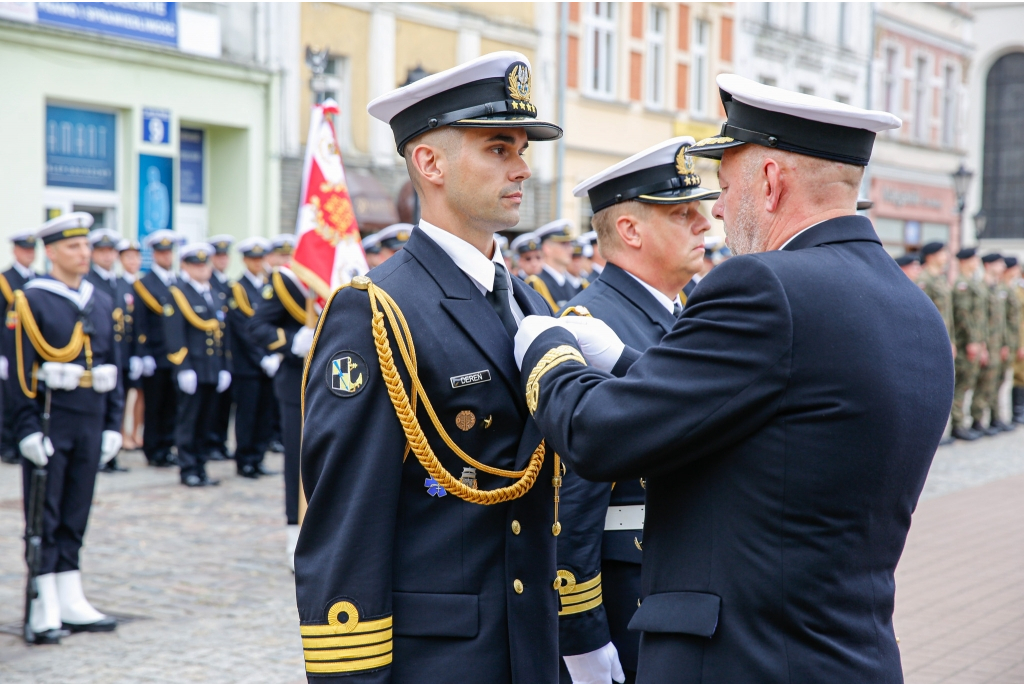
(575, 310)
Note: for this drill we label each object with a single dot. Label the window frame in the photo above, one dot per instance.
(700, 67)
(655, 48)
(600, 27)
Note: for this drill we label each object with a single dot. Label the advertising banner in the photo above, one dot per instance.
(80, 148)
(156, 197)
(151, 22)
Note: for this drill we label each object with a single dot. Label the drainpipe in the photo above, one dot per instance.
(563, 79)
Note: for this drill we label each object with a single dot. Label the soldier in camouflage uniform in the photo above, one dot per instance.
(969, 331)
(935, 284)
(1014, 324)
(987, 394)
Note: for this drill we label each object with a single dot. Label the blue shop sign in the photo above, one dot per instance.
(80, 148)
(151, 22)
(190, 166)
(156, 125)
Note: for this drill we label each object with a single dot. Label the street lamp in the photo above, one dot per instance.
(961, 183)
(980, 219)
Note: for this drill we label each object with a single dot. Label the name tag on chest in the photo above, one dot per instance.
(470, 379)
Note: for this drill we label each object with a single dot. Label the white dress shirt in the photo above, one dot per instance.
(473, 262)
(257, 281)
(166, 277)
(559, 277)
(108, 276)
(131, 278)
(659, 296)
(26, 273)
(201, 288)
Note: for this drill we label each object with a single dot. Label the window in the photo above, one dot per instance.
(806, 90)
(768, 80)
(843, 9)
(949, 107)
(701, 38)
(892, 81)
(656, 26)
(808, 19)
(842, 99)
(921, 98)
(600, 31)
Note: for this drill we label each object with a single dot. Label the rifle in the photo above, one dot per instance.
(34, 526)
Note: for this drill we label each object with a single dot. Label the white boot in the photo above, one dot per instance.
(293, 538)
(75, 610)
(45, 611)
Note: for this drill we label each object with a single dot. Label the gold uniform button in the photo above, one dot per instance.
(517, 585)
(516, 527)
(209, 351)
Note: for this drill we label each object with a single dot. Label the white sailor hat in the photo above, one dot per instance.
(221, 243)
(124, 244)
(283, 243)
(26, 239)
(581, 248)
(254, 247)
(162, 240)
(395, 236)
(196, 253)
(663, 175)
(712, 243)
(104, 237)
(502, 241)
(589, 237)
(557, 230)
(371, 243)
(527, 242)
(491, 91)
(73, 225)
(809, 125)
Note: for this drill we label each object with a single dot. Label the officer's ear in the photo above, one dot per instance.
(627, 226)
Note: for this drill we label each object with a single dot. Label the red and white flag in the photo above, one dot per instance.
(329, 252)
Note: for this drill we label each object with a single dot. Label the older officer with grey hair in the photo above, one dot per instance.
(784, 427)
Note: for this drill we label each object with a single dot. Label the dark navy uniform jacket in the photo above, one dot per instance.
(279, 316)
(201, 347)
(150, 337)
(785, 428)
(561, 294)
(123, 296)
(640, 321)
(221, 292)
(246, 354)
(56, 316)
(435, 577)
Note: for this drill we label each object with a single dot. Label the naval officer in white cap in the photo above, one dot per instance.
(436, 563)
(788, 419)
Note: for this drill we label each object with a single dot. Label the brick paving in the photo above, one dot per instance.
(199, 576)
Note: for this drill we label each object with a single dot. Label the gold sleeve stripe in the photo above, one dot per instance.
(5, 288)
(587, 584)
(348, 666)
(147, 297)
(297, 311)
(579, 597)
(541, 287)
(580, 608)
(242, 299)
(178, 357)
(362, 627)
(357, 640)
(281, 340)
(559, 355)
(348, 653)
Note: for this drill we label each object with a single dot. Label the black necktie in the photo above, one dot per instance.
(498, 297)
(677, 309)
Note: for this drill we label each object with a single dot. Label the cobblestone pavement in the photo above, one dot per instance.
(199, 577)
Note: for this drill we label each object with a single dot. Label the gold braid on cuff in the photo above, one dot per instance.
(559, 355)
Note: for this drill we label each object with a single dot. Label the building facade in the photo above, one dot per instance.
(137, 114)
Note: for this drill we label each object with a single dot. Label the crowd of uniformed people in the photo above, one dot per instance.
(631, 455)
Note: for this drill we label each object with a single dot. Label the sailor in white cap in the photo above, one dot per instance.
(597, 260)
(129, 253)
(790, 416)
(23, 245)
(556, 248)
(392, 239)
(368, 557)
(712, 244)
(67, 365)
(529, 260)
(158, 386)
(104, 242)
(217, 444)
(251, 385)
(282, 246)
(371, 248)
(196, 347)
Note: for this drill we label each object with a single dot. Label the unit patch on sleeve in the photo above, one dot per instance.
(346, 373)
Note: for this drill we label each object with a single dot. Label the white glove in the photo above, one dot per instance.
(599, 344)
(135, 368)
(148, 366)
(104, 378)
(600, 666)
(270, 364)
(3, 368)
(223, 381)
(302, 341)
(109, 446)
(36, 449)
(530, 329)
(188, 381)
(59, 376)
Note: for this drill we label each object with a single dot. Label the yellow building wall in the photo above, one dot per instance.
(425, 46)
(487, 46)
(346, 31)
(506, 12)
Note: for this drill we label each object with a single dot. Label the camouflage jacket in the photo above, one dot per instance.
(970, 311)
(1013, 315)
(996, 317)
(938, 290)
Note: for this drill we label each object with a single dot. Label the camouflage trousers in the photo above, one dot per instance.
(986, 394)
(966, 378)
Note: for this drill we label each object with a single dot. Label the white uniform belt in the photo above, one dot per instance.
(625, 518)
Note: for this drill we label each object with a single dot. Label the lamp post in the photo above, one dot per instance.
(980, 219)
(961, 183)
